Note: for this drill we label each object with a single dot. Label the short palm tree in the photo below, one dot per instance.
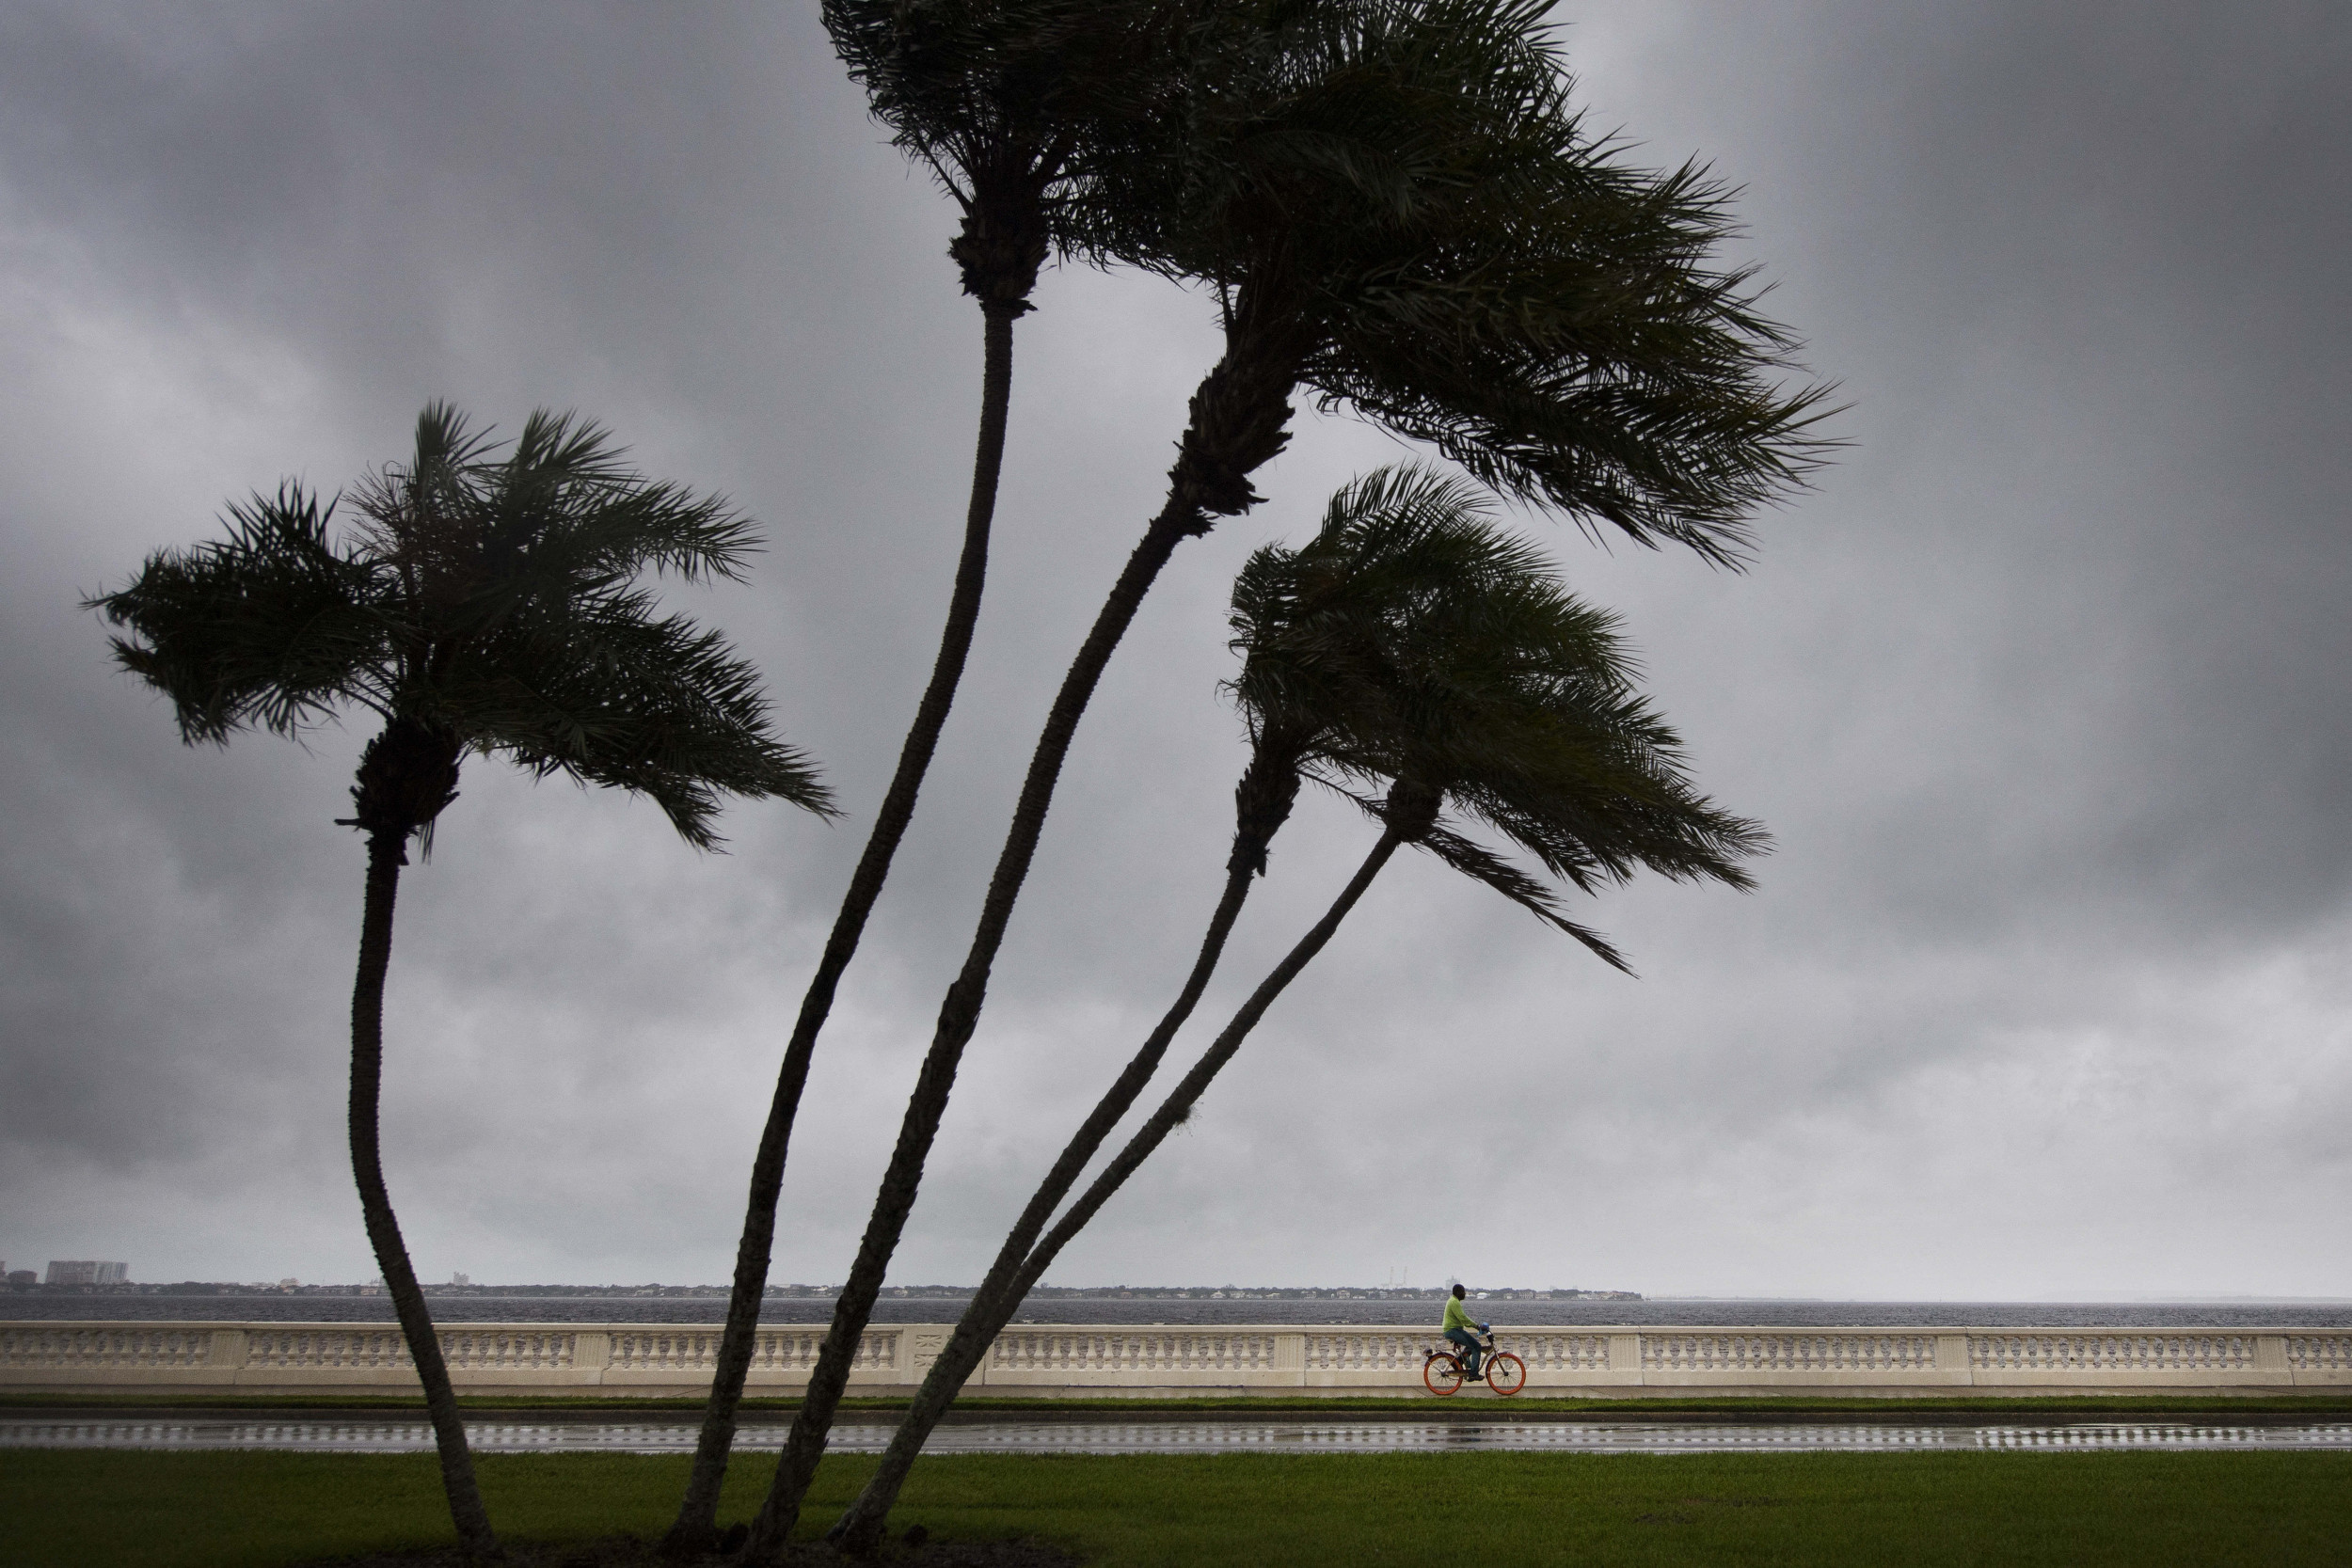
(483, 605)
(1408, 642)
(1016, 106)
(1396, 209)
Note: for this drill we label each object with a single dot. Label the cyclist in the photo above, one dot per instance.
(1458, 1325)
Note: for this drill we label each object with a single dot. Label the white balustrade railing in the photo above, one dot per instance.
(1352, 1350)
(1752, 1351)
(695, 1351)
(1118, 1351)
(63, 1345)
(2111, 1353)
(1077, 1358)
(1560, 1353)
(2320, 1352)
(341, 1349)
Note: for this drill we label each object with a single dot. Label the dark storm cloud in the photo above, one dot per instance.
(2040, 692)
(2074, 266)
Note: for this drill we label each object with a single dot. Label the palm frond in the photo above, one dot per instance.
(270, 628)
(615, 696)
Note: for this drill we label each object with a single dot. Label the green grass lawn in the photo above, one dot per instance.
(196, 1510)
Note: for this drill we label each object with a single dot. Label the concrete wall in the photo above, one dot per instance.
(623, 1360)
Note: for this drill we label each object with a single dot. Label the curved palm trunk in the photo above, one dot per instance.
(695, 1529)
(386, 855)
(999, 1294)
(959, 1015)
(860, 1529)
(1238, 415)
(1262, 802)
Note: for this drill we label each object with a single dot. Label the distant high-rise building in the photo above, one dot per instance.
(85, 1271)
(23, 1277)
(459, 1279)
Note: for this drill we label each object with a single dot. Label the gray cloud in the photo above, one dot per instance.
(2040, 692)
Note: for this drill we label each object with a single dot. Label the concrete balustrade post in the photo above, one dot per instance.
(2270, 1356)
(592, 1352)
(1290, 1355)
(1951, 1356)
(1625, 1354)
(228, 1348)
(919, 1345)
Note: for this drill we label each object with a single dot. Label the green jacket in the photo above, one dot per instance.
(1454, 1316)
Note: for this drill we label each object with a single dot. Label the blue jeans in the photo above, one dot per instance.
(1470, 1348)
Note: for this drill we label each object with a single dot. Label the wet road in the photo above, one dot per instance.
(1358, 1434)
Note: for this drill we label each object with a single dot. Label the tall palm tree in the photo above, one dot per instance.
(1016, 106)
(483, 605)
(1398, 212)
(1409, 641)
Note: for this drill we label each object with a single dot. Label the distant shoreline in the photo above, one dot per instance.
(199, 1289)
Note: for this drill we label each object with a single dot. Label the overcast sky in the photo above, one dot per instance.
(2045, 991)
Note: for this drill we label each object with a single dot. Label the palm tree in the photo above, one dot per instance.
(1397, 211)
(481, 605)
(1016, 108)
(1413, 641)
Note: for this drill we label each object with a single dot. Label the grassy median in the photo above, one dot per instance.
(213, 1509)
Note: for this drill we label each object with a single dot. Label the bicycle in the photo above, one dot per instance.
(1441, 1371)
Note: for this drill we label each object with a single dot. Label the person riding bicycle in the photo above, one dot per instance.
(1458, 1325)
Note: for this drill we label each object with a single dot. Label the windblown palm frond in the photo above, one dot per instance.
(1480, 864)
(270, 628)
(1402, 212)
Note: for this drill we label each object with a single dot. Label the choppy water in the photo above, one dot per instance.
(1340, 1435)
(1126, 1312)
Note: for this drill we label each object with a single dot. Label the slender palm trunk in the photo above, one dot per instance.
(996, 1300)
(385, 854)
(696, 1525)
(959, 1015)
(1238, 419)
(860, 1529)
(1262, 802)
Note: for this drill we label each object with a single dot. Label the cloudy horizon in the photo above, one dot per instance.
(2043, 994)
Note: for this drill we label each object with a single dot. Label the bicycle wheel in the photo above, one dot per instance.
(1506, 1374)
(1441, 1373)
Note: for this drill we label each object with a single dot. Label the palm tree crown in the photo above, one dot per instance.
(483, 604)
(1399, 210)
(1016, 108)
(1412, 644)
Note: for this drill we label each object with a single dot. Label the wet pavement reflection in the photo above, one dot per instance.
(1360, 1435)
